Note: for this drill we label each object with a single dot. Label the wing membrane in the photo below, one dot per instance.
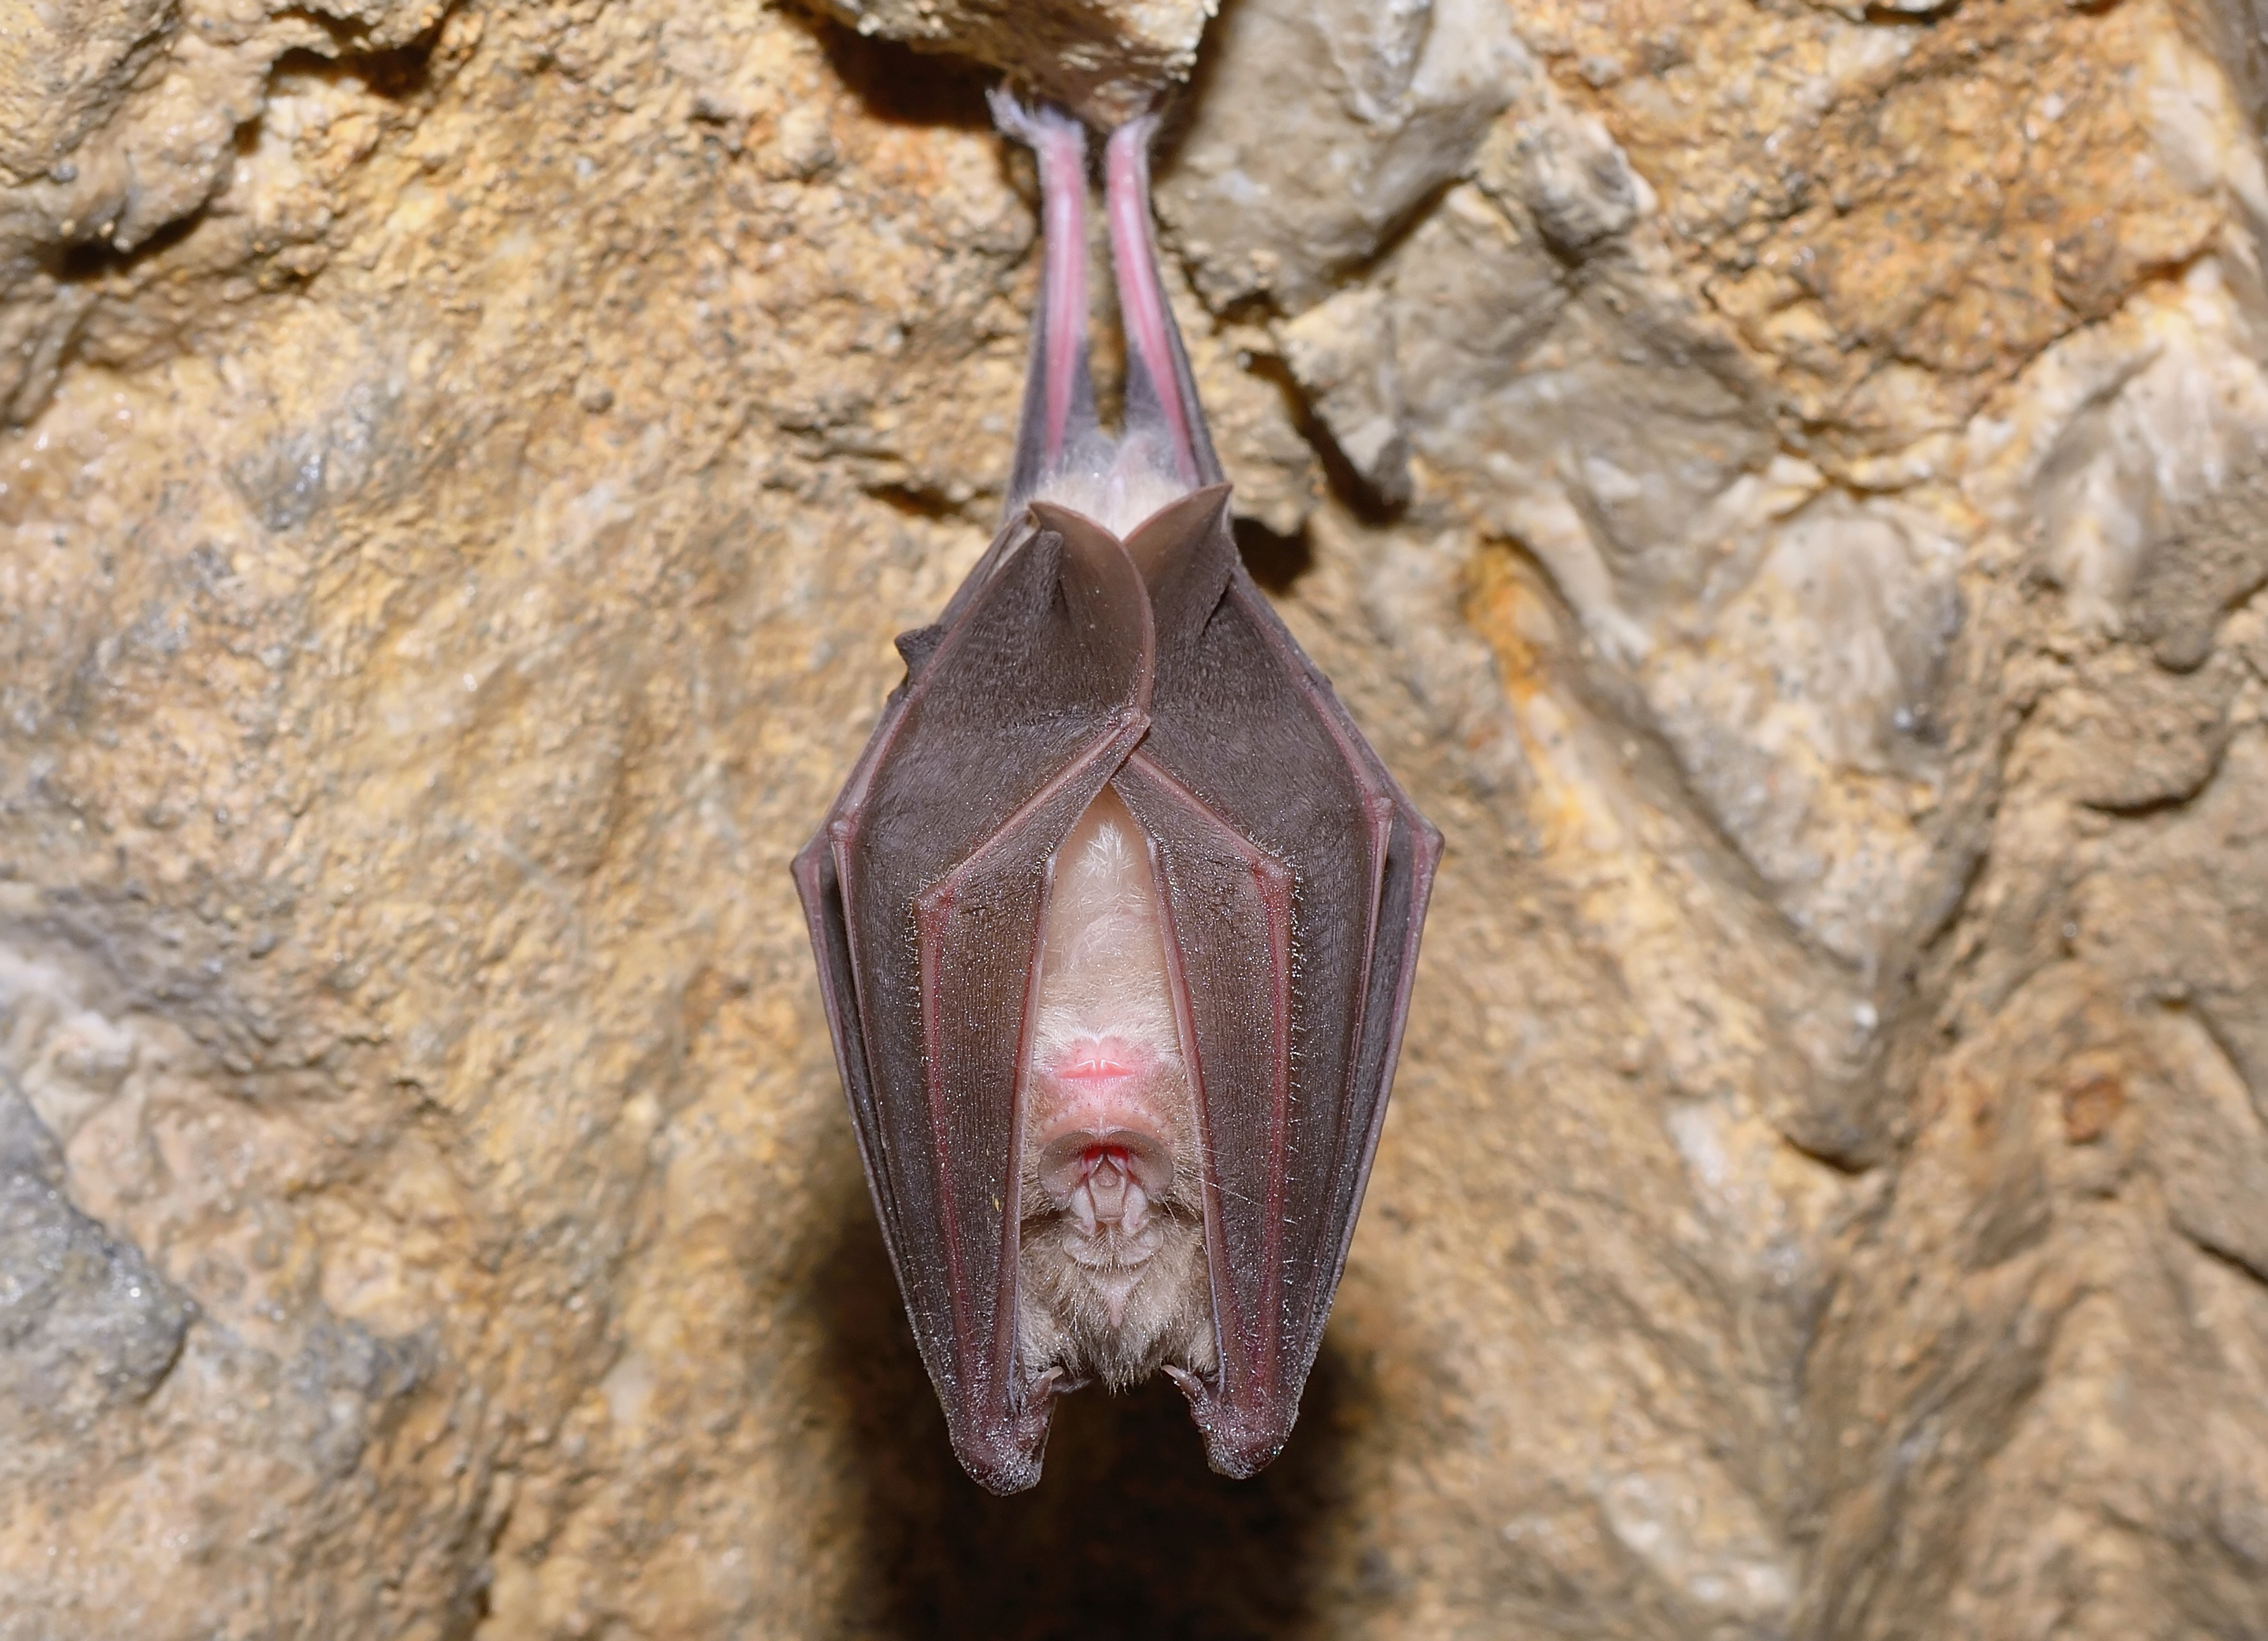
(924, 892)
(1295, 872)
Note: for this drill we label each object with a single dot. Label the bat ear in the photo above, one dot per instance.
(1105, 591)
(1186, 554)
(915, 646)
(1169, 542)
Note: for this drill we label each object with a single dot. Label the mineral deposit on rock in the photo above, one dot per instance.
(1782, 484)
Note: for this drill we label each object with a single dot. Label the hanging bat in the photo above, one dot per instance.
(1115, 917)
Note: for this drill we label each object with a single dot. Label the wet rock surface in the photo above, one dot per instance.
(1782, 485)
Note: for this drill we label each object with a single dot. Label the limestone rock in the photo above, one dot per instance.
(122, 121)
(65, 66)
(1109, 60)
(1323, 127)
(1782, 485)
(1343, 356)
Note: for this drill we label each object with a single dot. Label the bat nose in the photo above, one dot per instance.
(1097, 1062)
(1099, 1068)
(1108, 1190)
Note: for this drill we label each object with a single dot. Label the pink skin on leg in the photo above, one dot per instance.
(1061, 145)
(1059, 142)
(1141, 300)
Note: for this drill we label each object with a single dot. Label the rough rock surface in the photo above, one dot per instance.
(1108, 59)
(1785, 485)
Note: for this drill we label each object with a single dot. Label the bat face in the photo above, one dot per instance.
(1115, 917)
(1114, 1280)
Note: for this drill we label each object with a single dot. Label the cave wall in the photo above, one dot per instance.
(1785, 485)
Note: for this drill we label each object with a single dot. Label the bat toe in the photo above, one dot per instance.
(1243, 1437)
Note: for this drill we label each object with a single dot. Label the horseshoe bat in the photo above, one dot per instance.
(1115, 917)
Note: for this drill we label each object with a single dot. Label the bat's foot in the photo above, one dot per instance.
(1031, 122)
(1242, 1438)
(1036, 123)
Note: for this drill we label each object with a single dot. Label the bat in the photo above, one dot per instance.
(1116, 915)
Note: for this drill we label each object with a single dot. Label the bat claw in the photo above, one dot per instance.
(1031, 122)
(1054, 1382)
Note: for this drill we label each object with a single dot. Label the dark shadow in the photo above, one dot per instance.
(921, 501)
(85, 262)
(1356, 493)
(1128, 1534)
(900, 86)
(1276, 562)
(397, 73)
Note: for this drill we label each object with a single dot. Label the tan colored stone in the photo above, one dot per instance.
(1109, 60)
(1321, 130)
(470, 468)
(63, 63)
(1896, 216)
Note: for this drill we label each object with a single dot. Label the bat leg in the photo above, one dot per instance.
(1161, 393)
(1059, 390)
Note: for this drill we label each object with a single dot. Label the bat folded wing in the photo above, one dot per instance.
(1295, 874)
(923, 891)
(1292, 876)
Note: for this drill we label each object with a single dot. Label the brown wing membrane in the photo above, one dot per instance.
(1229, 922)
(924, 892)
(1295, 874)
